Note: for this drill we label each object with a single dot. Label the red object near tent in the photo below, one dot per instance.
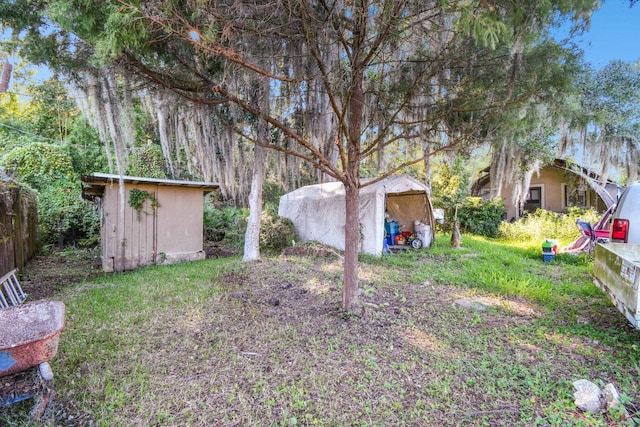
(600, 229)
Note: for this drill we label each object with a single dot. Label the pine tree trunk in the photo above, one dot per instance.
(352, 192)
(351, 245)
(352, 167)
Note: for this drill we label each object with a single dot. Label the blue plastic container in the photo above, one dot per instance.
(391, 239)
(391, 227)
(549, 250)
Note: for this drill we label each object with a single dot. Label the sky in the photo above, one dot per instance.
(614, 34)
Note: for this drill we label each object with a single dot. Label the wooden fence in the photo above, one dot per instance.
(18, 226)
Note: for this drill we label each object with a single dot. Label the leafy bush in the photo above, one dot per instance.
(276, 232)
(226, 224)
(481, 217)
(39, 164)
(65, 218)
(147, 161)
(451, 183)
(272, 190)
(476, 216)
(544, 224)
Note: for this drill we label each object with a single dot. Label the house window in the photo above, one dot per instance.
(485, 193)
(576, 196)
(534, 199)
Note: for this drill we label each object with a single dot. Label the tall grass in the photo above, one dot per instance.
(506, 268)
(543, 224)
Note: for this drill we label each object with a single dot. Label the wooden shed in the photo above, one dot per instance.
(161, 220)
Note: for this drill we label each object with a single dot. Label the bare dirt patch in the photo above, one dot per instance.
(46, 275)
(218, 250)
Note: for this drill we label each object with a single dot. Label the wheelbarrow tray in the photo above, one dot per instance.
(29, 335)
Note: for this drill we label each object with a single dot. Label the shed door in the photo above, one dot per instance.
(139, 232)
(136, 231)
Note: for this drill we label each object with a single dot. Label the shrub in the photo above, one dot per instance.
(481, 217)
(476, 216)
(226, 224)
(65, 218)
(276, 232)
(147, 161)
(39, 164)
(272, 190)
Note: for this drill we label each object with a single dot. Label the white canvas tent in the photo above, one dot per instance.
(318, 211)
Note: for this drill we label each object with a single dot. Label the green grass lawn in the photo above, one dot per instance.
(483, 335)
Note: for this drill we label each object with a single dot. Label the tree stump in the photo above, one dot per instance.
(455, 235)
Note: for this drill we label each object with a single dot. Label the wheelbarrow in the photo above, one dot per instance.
(28, 341)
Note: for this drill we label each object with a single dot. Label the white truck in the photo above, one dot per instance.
(616, 263)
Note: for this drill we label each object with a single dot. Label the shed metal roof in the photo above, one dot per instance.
(93, 185)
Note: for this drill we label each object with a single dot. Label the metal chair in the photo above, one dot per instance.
(588, 231)
(11, 293)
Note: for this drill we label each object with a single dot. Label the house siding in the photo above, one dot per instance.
(554, 183)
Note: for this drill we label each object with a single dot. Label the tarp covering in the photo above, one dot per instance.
(318, 211)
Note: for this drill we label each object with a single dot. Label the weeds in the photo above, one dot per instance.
(544, 224)
(220, 342)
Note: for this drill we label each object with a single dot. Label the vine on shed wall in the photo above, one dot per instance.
(137, 199)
